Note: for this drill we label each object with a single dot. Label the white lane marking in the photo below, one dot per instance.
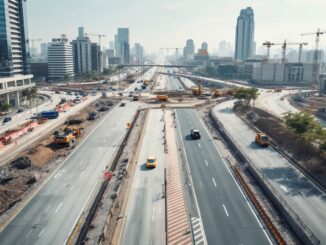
(227, 214)
(29, 233)
(82, 173)
(58, 208)
(199, 145)
(214, 182)
(47, 209)
(71, 188)
(206, 163)
(41, 233)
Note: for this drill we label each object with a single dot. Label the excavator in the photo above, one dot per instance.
(67, 136)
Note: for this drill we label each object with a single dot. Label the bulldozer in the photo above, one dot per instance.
(67, 136)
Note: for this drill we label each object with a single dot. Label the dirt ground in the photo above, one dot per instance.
(14, 183)
(308, 155)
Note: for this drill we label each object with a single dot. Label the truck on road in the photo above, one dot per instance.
(49, 114)
(262, 139)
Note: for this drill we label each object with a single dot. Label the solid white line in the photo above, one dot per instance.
(41, 233)
(214, 182)
(227, 214)
(206, 163)
(199, 145)
(82, 173)
(58, 207)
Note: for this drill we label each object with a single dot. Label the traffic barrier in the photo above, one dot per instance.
(12, 135)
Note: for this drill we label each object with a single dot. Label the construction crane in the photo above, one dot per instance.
(176, 51)
(269, 44)
(98, 35)
(284, 46)
(33, 42)
(315, 61)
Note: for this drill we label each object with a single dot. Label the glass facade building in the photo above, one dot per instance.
(14, 48)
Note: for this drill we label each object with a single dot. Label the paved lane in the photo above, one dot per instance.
(51, 214)
(226, 215)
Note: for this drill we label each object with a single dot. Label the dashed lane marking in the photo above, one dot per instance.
(227, 214)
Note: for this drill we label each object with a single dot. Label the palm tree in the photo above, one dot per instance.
(31, 95)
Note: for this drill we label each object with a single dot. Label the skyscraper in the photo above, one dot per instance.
(82, 53)
(123, 45)
(14, 48)
(139, 52)
(96, 54)
(44, 51)
(189, 50)
(14, 51)
(244, 41)
(204, 45)
(60, 59)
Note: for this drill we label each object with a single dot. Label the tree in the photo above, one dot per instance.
(5, 107)
(31, 95)
(246, 94)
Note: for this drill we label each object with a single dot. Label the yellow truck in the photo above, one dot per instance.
(162, 97)
(262, 139)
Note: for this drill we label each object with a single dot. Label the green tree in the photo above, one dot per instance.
(31, 95)
(5, 107)
(246, 94)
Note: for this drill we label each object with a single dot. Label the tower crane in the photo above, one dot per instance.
(269, 44)
(284, 46)
(168, 49)
(98, 35)
(318, 33)
(33, 42)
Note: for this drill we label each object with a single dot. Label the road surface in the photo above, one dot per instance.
(145, 217)
(305, 198)
(226, 214)
(52, 213)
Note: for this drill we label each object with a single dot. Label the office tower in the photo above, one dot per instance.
(44, 50)
(189, 50)
(139, 53)
(14, 51)
(244, 42)
(60, 59)
(82, 53)
(204, 45)
(123, 45)
(96, 54)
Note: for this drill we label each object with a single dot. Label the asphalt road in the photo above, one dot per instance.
(226, 215)
(52, 213)
(145, 217)
(300, 193)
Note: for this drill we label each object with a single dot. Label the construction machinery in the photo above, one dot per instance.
(315, 63)
(262, 139)
(67, 136)
(162, 97)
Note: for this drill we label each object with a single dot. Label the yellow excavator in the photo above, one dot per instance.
(67, 136)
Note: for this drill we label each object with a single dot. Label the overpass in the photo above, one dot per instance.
(167, 66)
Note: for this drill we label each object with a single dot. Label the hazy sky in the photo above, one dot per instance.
(168, 23)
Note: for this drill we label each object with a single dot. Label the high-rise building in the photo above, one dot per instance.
(244, 41)
(111, 45)
(123, 47)
(139, 52)
(204, 45)
(96, 54)
(60, 59)
(44, 51)
(82, 53)
(15, 74)
(189, 50)
(224, 49)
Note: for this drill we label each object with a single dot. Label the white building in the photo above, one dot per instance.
(60, 59)
(282, 73)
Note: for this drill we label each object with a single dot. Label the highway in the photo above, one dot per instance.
(52, 213)
(168, 83)
(226, 214)
(145, 218)
(146, 76)
(305, 198)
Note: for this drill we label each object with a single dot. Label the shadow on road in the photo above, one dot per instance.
(144, 168)
(227, 110)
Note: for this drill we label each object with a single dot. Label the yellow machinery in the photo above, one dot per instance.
(67, 136)
(196, 90)
(146, 82)
(162, 97)
(262, 139)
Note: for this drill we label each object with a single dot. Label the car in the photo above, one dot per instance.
(92, 116)
(151, 161)
(104, 108)
(195, 134)
(123, 104)
(6, 119)
(20, 110)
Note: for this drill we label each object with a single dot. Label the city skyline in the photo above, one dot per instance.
(211, 22)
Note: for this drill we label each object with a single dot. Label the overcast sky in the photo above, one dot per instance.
(168, 23)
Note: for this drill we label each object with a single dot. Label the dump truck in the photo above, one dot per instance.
(262, 139)
(162, 97)
(67, 136)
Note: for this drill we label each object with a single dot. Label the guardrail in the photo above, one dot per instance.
(86, 225)
(301, 230)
